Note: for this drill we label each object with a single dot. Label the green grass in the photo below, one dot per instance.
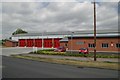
(51, 52)
(95, 64)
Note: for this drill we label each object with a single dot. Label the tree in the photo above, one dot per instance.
(19, 31)
(3, 41)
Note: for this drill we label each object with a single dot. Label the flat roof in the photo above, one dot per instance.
(64, 39)
(97, 35)
(80, 33)
(11, 40)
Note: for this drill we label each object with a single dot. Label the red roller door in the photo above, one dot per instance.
(56, 42)
(38, 42)
(22, 43)
(48, 43)
(30, 42)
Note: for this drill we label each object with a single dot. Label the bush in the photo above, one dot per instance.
(47, 50)
(74, 54)
(51, 52)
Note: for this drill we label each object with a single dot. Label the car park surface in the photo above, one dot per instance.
(15, 50)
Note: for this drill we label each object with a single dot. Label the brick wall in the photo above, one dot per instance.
(65, 44)
(83, 43)
(10, 44)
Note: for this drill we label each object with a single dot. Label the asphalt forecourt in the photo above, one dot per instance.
(84, 62)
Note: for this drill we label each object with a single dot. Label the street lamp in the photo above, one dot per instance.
(42, 41)
(71, 40)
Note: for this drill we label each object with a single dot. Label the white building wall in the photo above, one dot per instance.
(36, 37)
(15, 38)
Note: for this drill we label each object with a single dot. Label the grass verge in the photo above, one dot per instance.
(51, 52)
(91, 64)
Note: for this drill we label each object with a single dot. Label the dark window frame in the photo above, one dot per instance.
(66, 44)
(105, 45)
(91, 45)
(117, 45)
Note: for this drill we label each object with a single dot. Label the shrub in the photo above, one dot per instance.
(47, 50)
(51, 52)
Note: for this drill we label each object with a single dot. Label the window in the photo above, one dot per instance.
(79, 43)
(118, 45)
(104, 45)
(66, 44)
(91, 45)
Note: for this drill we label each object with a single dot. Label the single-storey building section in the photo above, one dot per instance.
(103, 43)
(106, 40)
(11, 43)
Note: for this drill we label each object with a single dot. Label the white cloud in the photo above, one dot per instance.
(59, 0)
(57, 16)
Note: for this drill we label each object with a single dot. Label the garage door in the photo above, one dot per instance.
(38, 42)
(48, 43)
(56, 42)
(30, 43)
(22, 43)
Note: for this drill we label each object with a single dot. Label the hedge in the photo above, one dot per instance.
(51, 52)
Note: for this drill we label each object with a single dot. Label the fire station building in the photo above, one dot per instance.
(106, 41)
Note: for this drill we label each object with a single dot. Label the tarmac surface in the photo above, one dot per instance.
(22, 68)
(15, 50)
(7, 51)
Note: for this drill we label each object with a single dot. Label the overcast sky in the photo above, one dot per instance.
(56, 16)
